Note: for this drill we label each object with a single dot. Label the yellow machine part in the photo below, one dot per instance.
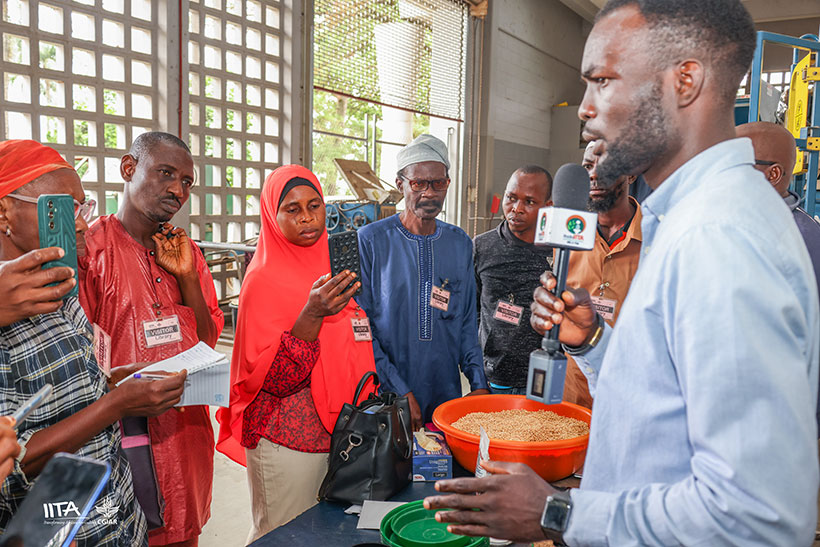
(797, 115)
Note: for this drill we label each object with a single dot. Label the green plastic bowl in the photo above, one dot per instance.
(411, 525)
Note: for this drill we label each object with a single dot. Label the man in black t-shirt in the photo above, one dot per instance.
(507, 268)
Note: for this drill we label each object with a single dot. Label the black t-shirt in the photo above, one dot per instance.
(507, 269)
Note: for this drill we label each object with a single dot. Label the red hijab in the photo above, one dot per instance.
(22, 161)
(274, 291)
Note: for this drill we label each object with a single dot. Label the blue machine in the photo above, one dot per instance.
(808, 141)
(352, 215)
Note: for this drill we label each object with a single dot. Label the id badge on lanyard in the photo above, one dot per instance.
(163, 330)
(361, 328)
(508, 312)
(102, 349)
(440, 298)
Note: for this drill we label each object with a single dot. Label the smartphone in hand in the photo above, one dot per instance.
(344, 255)
(55, 220)
(58, 504)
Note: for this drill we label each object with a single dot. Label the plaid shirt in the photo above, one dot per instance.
(58, 348)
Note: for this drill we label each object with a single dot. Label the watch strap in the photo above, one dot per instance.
(597, 334)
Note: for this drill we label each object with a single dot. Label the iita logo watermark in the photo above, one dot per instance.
(108, 509)
(62, 512)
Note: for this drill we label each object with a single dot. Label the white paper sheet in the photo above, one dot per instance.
(208, 379)
(373, 512)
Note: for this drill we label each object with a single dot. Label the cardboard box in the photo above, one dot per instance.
(432, 465)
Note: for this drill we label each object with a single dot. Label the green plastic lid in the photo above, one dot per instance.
(411, 525)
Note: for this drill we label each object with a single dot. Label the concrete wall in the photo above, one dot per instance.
(532, 58)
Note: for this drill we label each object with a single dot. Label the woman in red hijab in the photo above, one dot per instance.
(295, 360)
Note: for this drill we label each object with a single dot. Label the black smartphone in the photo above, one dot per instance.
(344, 255)
(59, 502)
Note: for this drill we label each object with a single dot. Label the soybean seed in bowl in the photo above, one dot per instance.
(523, 425)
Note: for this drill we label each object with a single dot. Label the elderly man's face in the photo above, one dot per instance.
(426, 204)
(623, 105)
(160, 181)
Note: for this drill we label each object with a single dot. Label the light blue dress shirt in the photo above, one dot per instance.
(703, 430)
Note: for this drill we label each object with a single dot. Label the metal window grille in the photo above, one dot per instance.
(235, 116)
(80, 76)
(408, 54)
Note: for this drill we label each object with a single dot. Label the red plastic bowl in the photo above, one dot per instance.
(552, 460)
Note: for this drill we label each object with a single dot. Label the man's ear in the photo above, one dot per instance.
(631, 179)
(689, 80)
(548, 203)
(128, 164)
(399, 184)
(774, 174)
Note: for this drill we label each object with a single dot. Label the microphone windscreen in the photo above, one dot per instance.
(570, 188)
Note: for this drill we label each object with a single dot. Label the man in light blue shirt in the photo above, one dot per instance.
(703, 431)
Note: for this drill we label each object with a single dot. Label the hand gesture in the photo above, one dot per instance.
(329, 296)
(23, 291)
(9, 449)
(574, 312)
(509, 507)
(173, 251)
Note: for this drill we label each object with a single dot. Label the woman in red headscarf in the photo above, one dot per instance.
(295, 360)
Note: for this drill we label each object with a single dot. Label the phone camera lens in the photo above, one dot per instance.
(51, 225)
(50, 203)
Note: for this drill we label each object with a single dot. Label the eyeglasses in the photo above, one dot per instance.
(421, 185)
(764, 162)
(85, 209)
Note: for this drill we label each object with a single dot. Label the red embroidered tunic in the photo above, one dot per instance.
(119, 285)
(283, 411)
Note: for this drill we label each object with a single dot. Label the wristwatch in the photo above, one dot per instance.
(593, 340)
(555, 518)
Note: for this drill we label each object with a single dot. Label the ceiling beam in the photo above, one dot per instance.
(585, 8)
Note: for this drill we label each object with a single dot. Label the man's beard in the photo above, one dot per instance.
(603, 204)
(644, 138)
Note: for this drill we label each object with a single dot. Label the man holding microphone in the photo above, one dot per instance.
(703, 431)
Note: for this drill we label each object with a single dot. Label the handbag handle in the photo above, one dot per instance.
(406, 433)
(362, 383)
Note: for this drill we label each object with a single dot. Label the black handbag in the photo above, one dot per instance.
(370, 448)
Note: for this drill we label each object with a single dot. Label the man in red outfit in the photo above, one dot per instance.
(141, 276)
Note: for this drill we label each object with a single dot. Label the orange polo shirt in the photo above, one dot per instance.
(605, 273)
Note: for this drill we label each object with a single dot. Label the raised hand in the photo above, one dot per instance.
(173, 251)
(573, 311)
(23, 291)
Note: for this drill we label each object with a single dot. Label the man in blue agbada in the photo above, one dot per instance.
(418, 289)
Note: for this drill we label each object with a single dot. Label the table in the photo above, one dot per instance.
(326, 524)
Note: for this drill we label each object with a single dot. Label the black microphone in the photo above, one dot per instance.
(566, 225)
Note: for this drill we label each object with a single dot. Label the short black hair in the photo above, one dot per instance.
(151, 138)
(532, 169)
(722, 30)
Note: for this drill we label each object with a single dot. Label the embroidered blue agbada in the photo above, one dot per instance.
(417, 347)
